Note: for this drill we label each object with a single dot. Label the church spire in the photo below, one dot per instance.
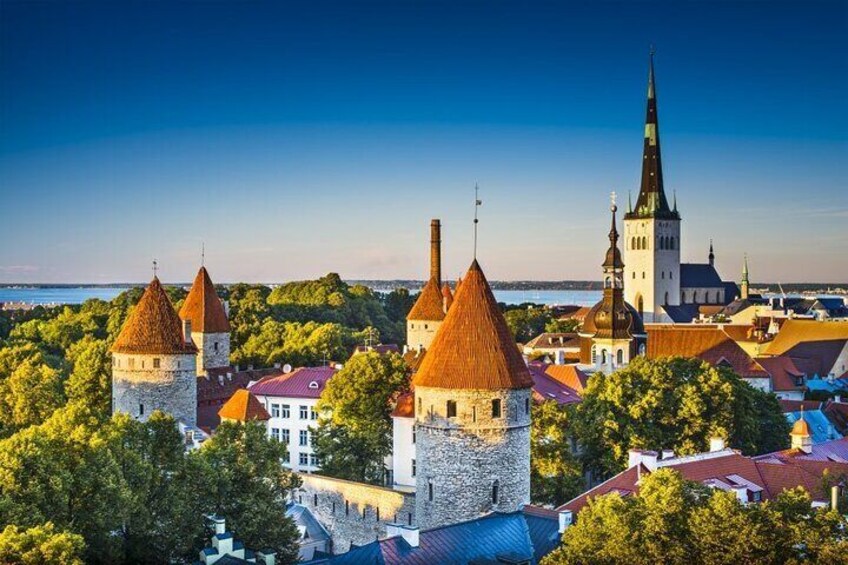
(652, 201)
(744, 290)
(712, 255)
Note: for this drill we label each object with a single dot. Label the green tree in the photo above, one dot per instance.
(556, 475)
(90, 382)
(673, 403)
(555, 325)
(354, 432)
(527, 321)
(30, 394)
(40, 545)
(249, 486)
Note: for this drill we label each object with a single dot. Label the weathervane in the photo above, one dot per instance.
(202, 253)
(612, 199)
(477, 204)
(155, 268)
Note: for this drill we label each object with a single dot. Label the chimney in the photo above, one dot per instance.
(837, 399)
(409, 535)
(741, 494)
(436, 251)
(266, 556)
(667, 454)
(187, 331)
(649, 460)
(634, 457)
(716, 444)
(566, 518)
(834, 498)
(218, 523)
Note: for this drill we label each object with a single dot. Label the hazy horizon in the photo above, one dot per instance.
(300, 140)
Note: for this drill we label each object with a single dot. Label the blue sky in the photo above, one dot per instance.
(297, 139)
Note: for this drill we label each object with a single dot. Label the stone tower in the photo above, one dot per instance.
(652, 231)
(472, 414)
(428, 312)
(612, 329)
(210, 329)
(153, 361)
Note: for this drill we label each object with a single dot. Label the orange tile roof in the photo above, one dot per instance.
(447, 297)
(801, 428)
(794, 332)
(569, 375)
(429, 305)
(153, 327)
(203, 307)
(243, 406)
(707, 342)
(474, 349)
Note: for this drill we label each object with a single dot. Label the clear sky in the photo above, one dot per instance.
(298, 140)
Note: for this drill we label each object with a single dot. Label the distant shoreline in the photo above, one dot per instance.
(523, 285)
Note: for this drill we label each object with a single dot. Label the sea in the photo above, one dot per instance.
(77, 295)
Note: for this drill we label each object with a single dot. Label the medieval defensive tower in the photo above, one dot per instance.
(210, 329)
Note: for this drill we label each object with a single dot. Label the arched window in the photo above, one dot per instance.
(644, 242)
(672, 243)
(666, 298)
(641, 349)
(603, 356)
(607, 282)
(695, 297)
(495, 492)
(640, 305)
(619, 357)
(634, 274)
(594, 354)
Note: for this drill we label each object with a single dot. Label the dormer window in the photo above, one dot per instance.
(313, 384)
(451, 409)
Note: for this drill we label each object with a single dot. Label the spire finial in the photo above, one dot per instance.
(477, 204)
(675, 200)
(155, 268)
(712, 255)
(629, 201)
(202, 253)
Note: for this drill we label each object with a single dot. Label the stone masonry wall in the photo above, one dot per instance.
(463, 456)
(420, 333)
(171, 387)
(207, 356)
(340, 507)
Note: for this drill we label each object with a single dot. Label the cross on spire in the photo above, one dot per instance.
(155, 268)
(202, 253)
(477, 204)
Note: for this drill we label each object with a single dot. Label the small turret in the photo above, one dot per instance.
(744, 286)
(800, 435)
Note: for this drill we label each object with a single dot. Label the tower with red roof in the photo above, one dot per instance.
(210, 328)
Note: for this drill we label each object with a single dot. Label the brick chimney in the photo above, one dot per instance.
(436, 251)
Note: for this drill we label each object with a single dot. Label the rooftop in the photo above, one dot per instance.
(304, 382)
(243, 406)
(203, 307)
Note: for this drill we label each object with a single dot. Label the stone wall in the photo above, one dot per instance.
(139, 387)
(463, 457)
(420, 333)
(354, 512)
(208, 357)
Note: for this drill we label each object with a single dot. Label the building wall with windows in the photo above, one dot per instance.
(292, 421)
(473, 453)
(403, 451)
(651, 265)
(213, 350)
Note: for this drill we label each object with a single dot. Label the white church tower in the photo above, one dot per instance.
(652, 231)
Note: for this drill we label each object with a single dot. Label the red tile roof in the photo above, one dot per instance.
(820, 343)
(546, 388)
(305, 382)
(153, 327)
(569, 375)
(474, 349)
(707, 342)
(203, 307)
(243, 406)
(798, 405)
(429, 305)
(405, 407)
(219, 384)
(447, 296)
(783, 371)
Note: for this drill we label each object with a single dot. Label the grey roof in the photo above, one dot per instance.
(683, 313)
(699, 275)
(303, 517)
(524, 535)
(731, 291)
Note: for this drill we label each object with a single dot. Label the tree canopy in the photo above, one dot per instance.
(675, 521)
(556, 474)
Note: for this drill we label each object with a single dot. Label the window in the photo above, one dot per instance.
(603, 356)
(304, 413)
(414, 469)
(643, 274)
(663, 274)
(275, 410)
(430, 490)
(131, 363)
(377, 510)
(304, 437)
(473, 413)
(619, 357)
(409, 518)
(526, 405)
(363, 511)
(156, 362)
(634, 275)
(641, 349)
(496, 408)
(313, 459)
(757, 496)
(451, 409)
(215, 346)
(285, 436)
(594, 354)
(286, 411)
(334, 507)
(347, 508)
(413, 435)
(287, 457)
(304, 459)
(141, 409)
(314, 500)
(313, 415)
(666, 297)
(495, 492)
(275, 433)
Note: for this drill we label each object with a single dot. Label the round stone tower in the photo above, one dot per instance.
(153, 361)
(210, 329)
(472, 414)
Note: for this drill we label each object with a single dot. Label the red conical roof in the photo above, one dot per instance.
(447, 296)
(243, 406)
(153, 327)
(203, 307)
(474, 349)
(429, 305)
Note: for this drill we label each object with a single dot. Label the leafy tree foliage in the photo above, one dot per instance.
(674, 403)
(526, 321)
(40, 545)
(555, 325)
(354, 433)
(556, 475)
(678, 522)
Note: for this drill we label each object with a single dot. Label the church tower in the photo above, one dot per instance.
(210, 329)
(472, 414)
(153, 361)
(652, 230)
(429, 310)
